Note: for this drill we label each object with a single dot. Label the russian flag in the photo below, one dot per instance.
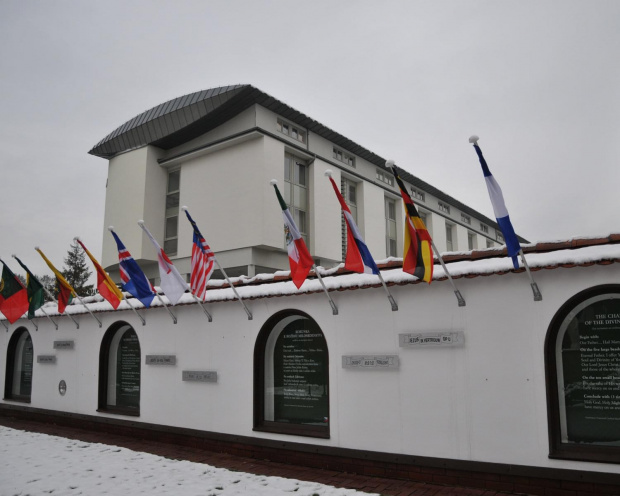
(358, 258)
(499, 207)
(133, 280)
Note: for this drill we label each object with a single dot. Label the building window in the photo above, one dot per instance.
(581, 362)
(290, 130)
(171, 231)
(291, 377)
(484, 228)
(296, 192)
(489, 243)
(385, 177)
(119, 371)
(443, 207)
(449, 237)
(390, 227)
(426, 218)
(416, 194)
(343, 157)
(472, 242)
(466, 219)
(19, 360)
(499, 236)
(348, 189)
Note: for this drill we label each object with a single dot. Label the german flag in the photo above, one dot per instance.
(418, 251)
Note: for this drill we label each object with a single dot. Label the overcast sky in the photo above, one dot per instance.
(538, 81)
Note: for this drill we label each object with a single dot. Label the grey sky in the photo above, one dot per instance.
(538, 81)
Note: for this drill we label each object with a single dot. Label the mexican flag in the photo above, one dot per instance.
(13, 296)
(298, 255)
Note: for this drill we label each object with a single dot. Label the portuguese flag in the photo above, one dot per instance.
(298, 255)
(13, 296)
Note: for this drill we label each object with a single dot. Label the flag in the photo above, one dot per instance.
(13, 295)
(34, 290)
(499, 207)
(171, 282)
(65, 290)
(105, 285)
(203, 261)
(358, 257)
(298, 255)
(418, 250)
(133, 279)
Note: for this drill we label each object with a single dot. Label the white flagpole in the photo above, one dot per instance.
(457, 293)
(247, 311)
(533, 285)
(331, 302)
(50, 295)
(174, 318)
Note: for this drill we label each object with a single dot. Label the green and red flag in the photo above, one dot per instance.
(34, 290)
(418, 249)
(298, 255)
(65, 290)
(13, 295)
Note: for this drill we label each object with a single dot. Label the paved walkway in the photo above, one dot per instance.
(384, 486)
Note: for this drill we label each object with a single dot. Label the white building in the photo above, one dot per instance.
(215, 151)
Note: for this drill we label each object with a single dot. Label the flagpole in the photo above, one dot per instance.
(43, 287)
(174, 318)
(457, 293)
(5, 326)
(331, 302)
(389, 295)
(533, 285)
(202, 306)
(134, 310)
(77, 326)
(233, 288)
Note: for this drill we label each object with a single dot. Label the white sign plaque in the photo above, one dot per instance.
(432, 339)
(200, 375)
(64, 345)
(370, 361)
(161, 360)
(46, 358)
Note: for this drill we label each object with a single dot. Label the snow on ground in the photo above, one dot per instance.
(37, 464)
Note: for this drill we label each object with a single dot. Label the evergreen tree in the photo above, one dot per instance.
(49, 283)
(76, 271)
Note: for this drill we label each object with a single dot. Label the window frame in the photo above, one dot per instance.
(388, 252)
(174, 215)
(450, 228)
(11, 357)
(260, 348)
(104, 370)
(557, 448)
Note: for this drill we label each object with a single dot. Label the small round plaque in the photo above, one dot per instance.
(62, 388)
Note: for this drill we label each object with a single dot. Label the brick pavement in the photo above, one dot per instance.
(381, 485)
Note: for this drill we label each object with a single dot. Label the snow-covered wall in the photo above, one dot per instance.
(483, 401)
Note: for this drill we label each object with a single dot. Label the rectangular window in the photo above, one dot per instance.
(484, 228)
(443, 207)
(385, 177)
(471, 241)
(171, 228)
(390, 227)
(449, 237)
(489, 243)
(348, 189)
(343, 157)
(465, 219)
(291, 130)
(295, 191)
(416, 194)
(499, 236)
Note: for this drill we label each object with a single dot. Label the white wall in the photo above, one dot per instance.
(485, 401)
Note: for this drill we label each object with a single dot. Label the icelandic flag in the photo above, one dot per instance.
(499, 207)
(133, 279)
(358, 258)
(203, 261)
(171, 282)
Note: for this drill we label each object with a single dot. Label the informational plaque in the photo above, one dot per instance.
(63, 345)
(128, 371)
(200, 375)
(46, 358)
(25, 377)
(431, 339)
(301, 375)
(161, 359)
(370, 362)
(591, 373)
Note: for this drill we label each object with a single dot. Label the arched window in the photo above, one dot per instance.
(582, 359)
(19, 359)
(291, 376)
(119, 371)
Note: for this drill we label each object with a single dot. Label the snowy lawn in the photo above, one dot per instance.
(37, 464)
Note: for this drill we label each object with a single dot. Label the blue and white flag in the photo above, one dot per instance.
(133, 279)
(499, 207)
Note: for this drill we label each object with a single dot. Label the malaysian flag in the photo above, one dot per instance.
(133, 279)
(203, 261)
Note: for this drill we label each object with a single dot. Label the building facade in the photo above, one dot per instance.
(215, 151)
